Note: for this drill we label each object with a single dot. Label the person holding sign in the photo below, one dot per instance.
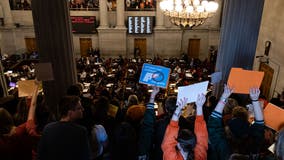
(238, 139)
(16, 142)
(183, 144)
(147, 127)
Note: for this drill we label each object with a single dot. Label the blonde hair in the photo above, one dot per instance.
(132, 100)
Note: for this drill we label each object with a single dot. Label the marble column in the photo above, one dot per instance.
(8, 20)
(103, 14)
(54, 40)
(159, 16)
(120, 14)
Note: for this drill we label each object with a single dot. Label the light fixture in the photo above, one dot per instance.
(188, 12)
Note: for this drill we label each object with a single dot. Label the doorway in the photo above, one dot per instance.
(140, 47)
(31, 45)
(193, 48)
(85, 44)
(267, 79)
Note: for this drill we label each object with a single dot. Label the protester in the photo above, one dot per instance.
(184, 144)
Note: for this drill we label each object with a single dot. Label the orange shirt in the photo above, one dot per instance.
(169, 142)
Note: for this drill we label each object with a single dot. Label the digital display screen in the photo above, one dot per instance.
(83, 24)
(140, 24)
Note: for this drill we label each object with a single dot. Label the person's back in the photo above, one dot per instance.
(65, 139)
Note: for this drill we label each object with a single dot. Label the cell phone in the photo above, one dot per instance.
(12, 84)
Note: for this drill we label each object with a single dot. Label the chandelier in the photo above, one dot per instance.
(188, 12)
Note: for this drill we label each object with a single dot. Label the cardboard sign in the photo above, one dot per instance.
(44, 72)
(192, 91)
(242, 80)
(26, 88)
(155, 75)
(112, 111)
(273, 116)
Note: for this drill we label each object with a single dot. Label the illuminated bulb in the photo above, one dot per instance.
(178, 8)
(186, 2)
(204, 3)
(200, 9)
(178, 2)
(196, 2)
(189, 9)
(170, 5)
(211, 6)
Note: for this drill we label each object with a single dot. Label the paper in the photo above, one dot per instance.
(26, 88)
(192, 91)
(44, 72)
(154, 75)
(216, 77)
(273, 116)
(242, 80)
(112, 111)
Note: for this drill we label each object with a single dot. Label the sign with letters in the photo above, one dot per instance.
(155, 75)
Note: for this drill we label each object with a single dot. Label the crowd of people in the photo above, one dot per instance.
(109, 115)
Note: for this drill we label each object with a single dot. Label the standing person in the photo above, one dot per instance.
(16, 142)
(183, 144)
(136, 52)
(238, 138)
(64, 139)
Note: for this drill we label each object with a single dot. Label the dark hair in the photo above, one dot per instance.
(124, 143)
(6, 121)
(73, 90)
(21, 115)
(100, 109)
(170, 105)
(187, 140)
(67, 103)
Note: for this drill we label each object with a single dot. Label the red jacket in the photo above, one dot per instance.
(169, 142)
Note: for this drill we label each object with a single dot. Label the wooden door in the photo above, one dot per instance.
(267, 79)
(141, 44)
(31, 45)
(193, 48)
(85, 44)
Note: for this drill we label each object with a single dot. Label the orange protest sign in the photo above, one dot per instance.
(242, 80)
(273, 116)
(26, 88)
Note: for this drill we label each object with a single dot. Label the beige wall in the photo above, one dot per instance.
(272, 29)
(167, 42)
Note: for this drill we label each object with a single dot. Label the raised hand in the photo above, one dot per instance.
(254, 93)
(227, 92)
(199, 104)
(182, 103)
(200, 100)
(155, 91)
